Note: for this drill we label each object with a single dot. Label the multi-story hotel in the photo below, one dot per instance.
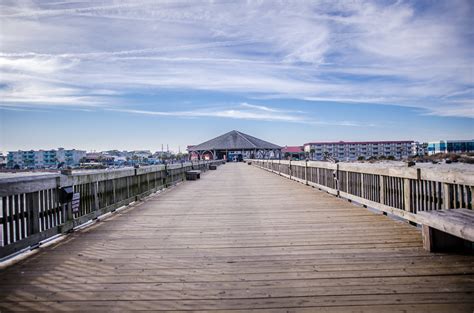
(44, 158)
(348, 151)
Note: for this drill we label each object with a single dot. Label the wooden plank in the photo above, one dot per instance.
(458, 222)
(23, 213)
(11, 220)
(27, 184)
(32, 206)
(16, 219)
(5, 220)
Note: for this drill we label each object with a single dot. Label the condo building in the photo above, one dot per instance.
(349, 151)
(44, 158)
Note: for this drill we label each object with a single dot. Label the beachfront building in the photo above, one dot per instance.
(234, 146)
(44, 158)
(419, 148)
(293, 153)
(450, 146)
(354, 150)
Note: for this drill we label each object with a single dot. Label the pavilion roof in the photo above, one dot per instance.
(234, 140)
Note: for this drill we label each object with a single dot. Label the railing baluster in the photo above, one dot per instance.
(5, 220)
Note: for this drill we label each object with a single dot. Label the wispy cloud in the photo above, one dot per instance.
(244, 111)
(399, 53)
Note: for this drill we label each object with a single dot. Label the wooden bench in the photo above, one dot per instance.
(193, 175)
(447, 230)
(213, 167)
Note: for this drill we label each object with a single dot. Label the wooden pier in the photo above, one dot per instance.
(241, 239)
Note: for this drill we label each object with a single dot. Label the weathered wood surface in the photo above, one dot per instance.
(459, 222)
(242, 239)
(396, 190)
(31, 209)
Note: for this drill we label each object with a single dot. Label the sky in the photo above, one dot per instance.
(136, 74)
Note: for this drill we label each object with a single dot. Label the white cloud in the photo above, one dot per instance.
(243, 111)
(88, 53)
(247, 112)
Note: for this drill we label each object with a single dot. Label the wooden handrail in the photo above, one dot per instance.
(396, 190)
(31, 210)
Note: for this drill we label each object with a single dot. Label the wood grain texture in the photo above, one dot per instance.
(458, 222)
(241, 239)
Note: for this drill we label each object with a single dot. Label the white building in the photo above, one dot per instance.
(3, 160)
(349, 151)
(419, 148)
(44, 158)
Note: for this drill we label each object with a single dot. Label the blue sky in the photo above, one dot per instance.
(99, 75)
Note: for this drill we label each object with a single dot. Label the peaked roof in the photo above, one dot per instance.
(234, 140)
(292, 149)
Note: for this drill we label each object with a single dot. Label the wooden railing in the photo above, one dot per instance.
(401, 191)
(32, 209)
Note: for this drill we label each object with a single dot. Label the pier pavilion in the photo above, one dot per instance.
(235, 145)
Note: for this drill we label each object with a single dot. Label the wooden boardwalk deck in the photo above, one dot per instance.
(241, 239)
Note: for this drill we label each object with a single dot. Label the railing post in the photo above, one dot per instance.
(407, 195)
(95, 187)
(382, 190)
(138, 185)
(347, 182)
(113, 191)
(148, 182)
(446, 196)
(289, 168)
(33, 212)
(128, 186)
(68, 208)
(166, 176)
(470, 205)
(306, 172)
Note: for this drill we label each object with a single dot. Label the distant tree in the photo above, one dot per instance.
(361, 158)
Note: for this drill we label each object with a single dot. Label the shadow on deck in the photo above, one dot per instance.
(240, 239)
